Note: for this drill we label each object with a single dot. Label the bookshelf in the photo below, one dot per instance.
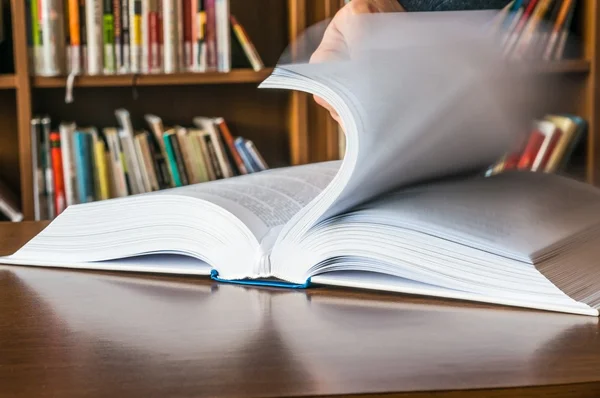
(288, 128)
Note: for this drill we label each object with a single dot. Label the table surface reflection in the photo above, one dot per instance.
(76, 333)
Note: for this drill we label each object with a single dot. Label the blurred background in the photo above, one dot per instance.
(146, 95)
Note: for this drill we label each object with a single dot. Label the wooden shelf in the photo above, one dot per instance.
(233, 77)
(7, 81)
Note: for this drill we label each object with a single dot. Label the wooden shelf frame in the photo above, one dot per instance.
(8, 81)
(237, 76)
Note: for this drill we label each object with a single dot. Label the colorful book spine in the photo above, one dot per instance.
(531, 150)
(83, 161)
(154, 55)
(256, 157)
(94, 14)
(564, 36)
(108, 24)
(74, 32)
(179, 162)
(117, 36)
(200, 38)
(59, 186)
(36, 37)
(135, 38)
(66, 131)
(101, 168)
(172, 158)
(557, 28)
(240, 145)
(229, 142)
(247, 45)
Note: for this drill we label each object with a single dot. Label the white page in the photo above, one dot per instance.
(521, 215)
(265, 200)
(413, 110)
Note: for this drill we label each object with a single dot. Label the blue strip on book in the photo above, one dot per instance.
(214, 275)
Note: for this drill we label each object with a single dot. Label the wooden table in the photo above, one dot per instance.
(76, 334)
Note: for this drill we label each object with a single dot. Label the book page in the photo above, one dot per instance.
(522, 215)
(265, 200)
(434, 99)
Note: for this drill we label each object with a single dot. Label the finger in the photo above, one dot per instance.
(332, 46)
(328, 107)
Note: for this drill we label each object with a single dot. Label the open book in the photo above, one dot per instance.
(407, 210)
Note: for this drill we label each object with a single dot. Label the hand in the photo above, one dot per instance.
(333, 44)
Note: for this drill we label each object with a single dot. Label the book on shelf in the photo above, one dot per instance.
(409, 208)
(549, 148)
(107, 37)
(9, 206)
(536, 29)
(80, 164)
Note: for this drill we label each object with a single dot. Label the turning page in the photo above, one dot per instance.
(437, 105)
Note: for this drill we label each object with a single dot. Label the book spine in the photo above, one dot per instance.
(200, 41)
(143, 166)
(161, 38)
(148, 156)
(223, 35)
(198, 157)
(153, 39)
(83, 155)
(133, 164)
(66, 131)
(516, 33)
(29, 35)
(247, 45)
(103, 191)
(228, 139)
(145, 37)
(187, 34)
(119, 184)
(179, 33)
(212, 155)
(36, 37)
(48, 173)
(74, 33)
(172, 161)
(158, 144)
(108, 25)
(206, 156)
(183, 141)
(83, 35)
(564, 36)
(241, 148)
(135, 37)
(117, 36)
(529, 32)
(531, 149)
(59, 186)
(170, 36)
(179, 159)
(193, 66)
(125, 36)
(53, 37)
(94, 13)
(256, 157)
(557, 28)
(211, 35)
(37, 165)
